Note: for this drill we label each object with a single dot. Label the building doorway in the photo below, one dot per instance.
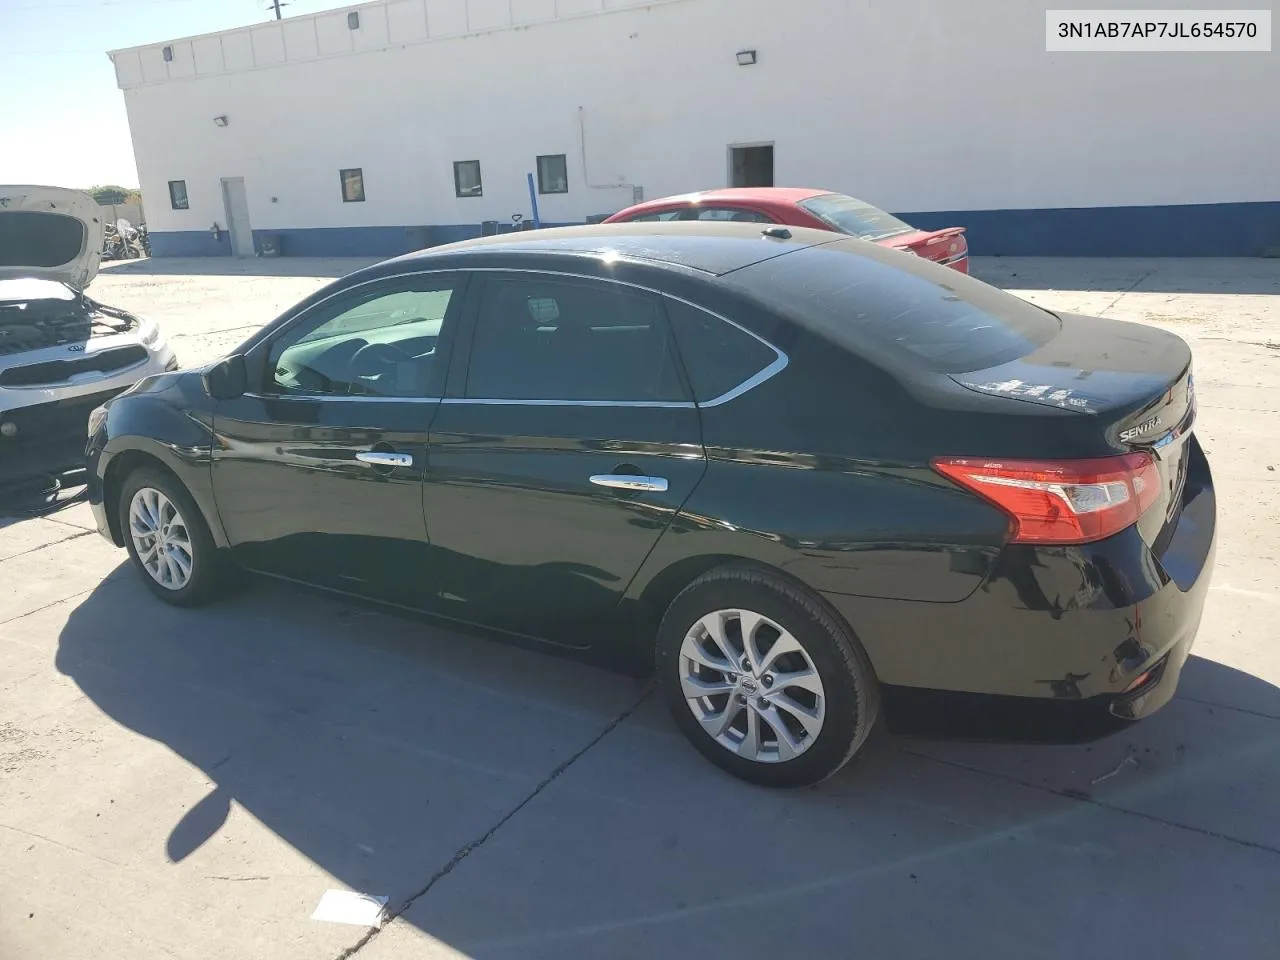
(236, 204)
(751, 165)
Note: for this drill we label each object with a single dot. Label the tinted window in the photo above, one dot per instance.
(731, 215)
(555, 339)
(855, 217)
(352, 185)
(466, 179)
(379, 343)
(664, 217)
(876, 301)
(553, 174)
(717, 355)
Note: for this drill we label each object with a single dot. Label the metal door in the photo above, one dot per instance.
(236, 203)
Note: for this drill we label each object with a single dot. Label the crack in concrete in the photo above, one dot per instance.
(59, 843)
(471, 847)
(46, 606)
(1232, 707)
(237, 879)
(1081, 797)
(44, 546)
(1120, 296)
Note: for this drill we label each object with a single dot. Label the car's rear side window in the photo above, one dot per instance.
(560, 339)
(876, 301)
(717, 355)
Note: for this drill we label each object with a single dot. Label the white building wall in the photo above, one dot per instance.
(915, 105)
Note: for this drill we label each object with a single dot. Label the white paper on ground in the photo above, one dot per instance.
(346, 906)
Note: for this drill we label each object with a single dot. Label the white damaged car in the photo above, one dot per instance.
(61, 353)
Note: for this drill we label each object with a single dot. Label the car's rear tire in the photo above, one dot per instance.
(168, 539)
(763, 679)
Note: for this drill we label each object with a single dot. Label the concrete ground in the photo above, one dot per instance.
(188, 784)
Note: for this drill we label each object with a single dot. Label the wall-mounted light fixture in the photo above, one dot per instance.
(167, 53)
(353, 20)
(220, 120)
(746, 58)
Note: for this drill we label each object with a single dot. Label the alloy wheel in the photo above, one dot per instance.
(161, 539)
(752, 686)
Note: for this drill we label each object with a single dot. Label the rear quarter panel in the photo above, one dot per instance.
(822, 472)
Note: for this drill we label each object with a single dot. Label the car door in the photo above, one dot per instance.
(567, 443)
(318, 467)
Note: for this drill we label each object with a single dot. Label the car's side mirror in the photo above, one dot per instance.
(228, 378)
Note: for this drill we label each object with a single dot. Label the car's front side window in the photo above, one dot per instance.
(665, 216)
(380, 342)
(553, 338)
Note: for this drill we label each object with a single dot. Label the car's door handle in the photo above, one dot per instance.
(630, 481)
(381, 458)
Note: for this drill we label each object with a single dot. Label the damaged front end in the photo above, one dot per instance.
(61, 353)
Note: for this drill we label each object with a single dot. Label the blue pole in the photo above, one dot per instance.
(533, 201)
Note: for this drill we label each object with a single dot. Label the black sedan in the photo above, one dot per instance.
(804, 477)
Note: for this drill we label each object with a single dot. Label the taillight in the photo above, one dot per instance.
(1061, 501)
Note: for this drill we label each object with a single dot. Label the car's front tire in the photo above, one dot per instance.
(168, 539)
(763, 679)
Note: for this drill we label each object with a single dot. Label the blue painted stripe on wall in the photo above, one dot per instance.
(1193, 230)
(189, 243)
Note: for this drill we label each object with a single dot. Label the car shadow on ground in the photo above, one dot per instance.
(238, 266)
(379, 747)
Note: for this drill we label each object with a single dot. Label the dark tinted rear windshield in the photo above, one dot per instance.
(855, 217)
(875, 301)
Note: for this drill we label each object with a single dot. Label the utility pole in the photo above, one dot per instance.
(275, 4)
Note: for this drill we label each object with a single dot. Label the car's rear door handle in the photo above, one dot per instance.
(381, 458)
(629, 481)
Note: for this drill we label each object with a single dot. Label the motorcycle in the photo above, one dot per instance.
(123, 241)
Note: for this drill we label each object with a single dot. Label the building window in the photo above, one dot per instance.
(352, 185)
(553, 174)
(466, 178)
(178, 194)
(751, 166)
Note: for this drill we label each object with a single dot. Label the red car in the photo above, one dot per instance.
(818, 209)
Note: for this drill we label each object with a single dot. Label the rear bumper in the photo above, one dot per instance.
(1053, 643)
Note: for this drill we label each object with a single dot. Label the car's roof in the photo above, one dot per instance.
(764, 196)
(742, 195)
(709, 247)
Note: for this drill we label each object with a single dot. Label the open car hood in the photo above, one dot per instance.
(50, 232)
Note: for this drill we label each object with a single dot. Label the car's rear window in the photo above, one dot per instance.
(882, 303)
(852, 216)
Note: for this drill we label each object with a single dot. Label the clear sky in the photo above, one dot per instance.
(62, 120)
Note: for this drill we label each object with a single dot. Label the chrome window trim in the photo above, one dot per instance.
(767, 373)
(657, 404)
(335, 397)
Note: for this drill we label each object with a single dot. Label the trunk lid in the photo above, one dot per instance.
(1136, 381)
(51, 233)
(945, 246)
